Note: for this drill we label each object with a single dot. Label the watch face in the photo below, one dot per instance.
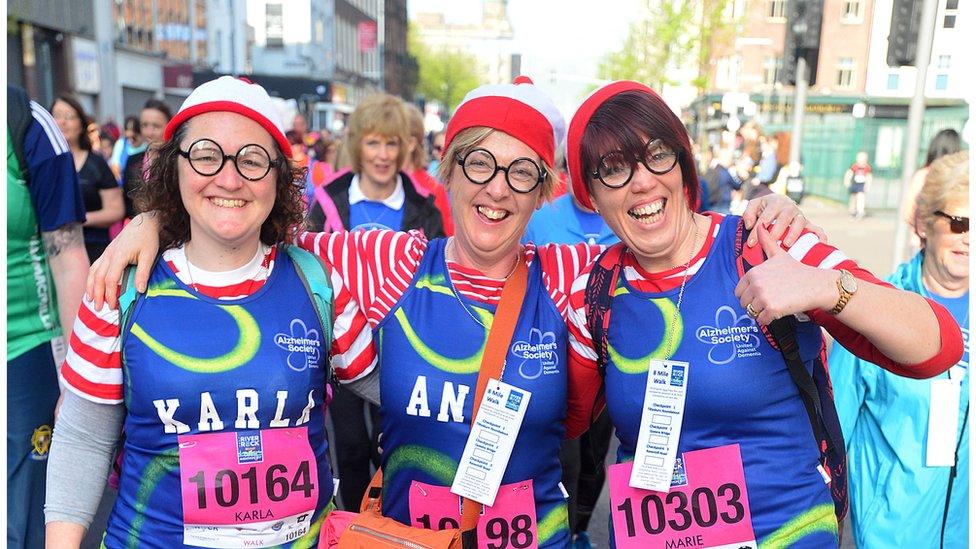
(848, 282)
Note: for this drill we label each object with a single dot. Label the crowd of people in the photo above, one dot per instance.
(426, 319)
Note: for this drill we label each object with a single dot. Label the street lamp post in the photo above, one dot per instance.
(916, 112)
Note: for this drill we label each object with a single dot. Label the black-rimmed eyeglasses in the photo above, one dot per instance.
(615, 168)
(207, 158)
(523, 175)
(957, 223)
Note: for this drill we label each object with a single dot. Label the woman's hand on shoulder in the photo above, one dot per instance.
(137, 245)
(783, 217)
(782, 286)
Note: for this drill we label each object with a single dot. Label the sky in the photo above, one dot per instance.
(561, 41)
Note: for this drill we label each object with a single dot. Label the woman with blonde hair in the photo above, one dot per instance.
(416, 165)
(907, 440)
(375, 193)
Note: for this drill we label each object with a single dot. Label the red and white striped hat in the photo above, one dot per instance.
(237, 95)
(519, 109)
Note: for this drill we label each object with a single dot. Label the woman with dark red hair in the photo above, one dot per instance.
(715, 445)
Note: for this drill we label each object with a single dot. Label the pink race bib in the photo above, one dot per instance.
(508, 523)
(247, 488)
(707, 506)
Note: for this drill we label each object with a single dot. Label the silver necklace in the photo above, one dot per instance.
(189, 270)
(681, 290)
(454, 290)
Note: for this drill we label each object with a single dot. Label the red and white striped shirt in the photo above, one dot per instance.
(378, 266)
(93, 366)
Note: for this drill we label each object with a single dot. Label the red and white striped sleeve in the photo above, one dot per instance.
(93, 366)
(376, 266)
(809, 250)
(353, 354)
(584, 397)
(561, 265)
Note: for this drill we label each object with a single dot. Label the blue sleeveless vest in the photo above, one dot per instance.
(739, 391)
(182, 348)
(430, 348)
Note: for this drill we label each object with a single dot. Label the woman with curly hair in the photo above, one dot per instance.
(217, 372)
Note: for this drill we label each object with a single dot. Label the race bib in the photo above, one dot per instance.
(510, 522)
(247, 488)
(707, 505)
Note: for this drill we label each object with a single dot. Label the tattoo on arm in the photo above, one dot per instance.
(62, 238)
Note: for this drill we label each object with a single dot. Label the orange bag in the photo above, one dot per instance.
(370, 529)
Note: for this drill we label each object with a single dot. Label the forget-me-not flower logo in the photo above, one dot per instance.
(732, 336)
(538, 354)
(303, 346)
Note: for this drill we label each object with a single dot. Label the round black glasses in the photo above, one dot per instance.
(617, 167)
(207, 158)
(523, 175)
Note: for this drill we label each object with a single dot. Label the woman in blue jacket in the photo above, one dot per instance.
(907, 439)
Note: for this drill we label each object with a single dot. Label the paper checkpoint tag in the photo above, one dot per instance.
(660, 428)
(940, 446)
(490, 442)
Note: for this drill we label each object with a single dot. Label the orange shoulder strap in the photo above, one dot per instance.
(492, 361)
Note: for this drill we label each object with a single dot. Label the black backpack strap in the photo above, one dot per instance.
(783, 331)
(598, 297)
(781, 334)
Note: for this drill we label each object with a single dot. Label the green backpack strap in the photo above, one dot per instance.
(311, 270)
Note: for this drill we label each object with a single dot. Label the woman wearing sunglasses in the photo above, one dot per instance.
(915, 471)
(218, 372)
(431, 303)
(715, 443)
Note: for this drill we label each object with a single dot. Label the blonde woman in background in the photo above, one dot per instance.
(907, 441)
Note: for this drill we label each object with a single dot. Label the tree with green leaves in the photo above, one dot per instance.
(444, 76)
(670, 33)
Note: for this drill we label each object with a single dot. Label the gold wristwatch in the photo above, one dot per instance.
(847, 286)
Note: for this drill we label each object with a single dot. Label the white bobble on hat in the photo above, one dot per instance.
(519, 109)
(237, 95)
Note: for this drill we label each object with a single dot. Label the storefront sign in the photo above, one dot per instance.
(86, 71)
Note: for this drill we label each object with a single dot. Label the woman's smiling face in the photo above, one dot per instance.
(490, 218)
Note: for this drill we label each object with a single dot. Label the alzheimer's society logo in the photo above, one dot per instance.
(303, 346)
(539, 355)
(733, 336)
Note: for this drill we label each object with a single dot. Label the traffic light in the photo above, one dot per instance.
(906, 17)
(803, 22)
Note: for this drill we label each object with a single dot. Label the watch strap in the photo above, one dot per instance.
(844, 297)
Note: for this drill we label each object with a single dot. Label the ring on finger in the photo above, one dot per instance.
(751, 311)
